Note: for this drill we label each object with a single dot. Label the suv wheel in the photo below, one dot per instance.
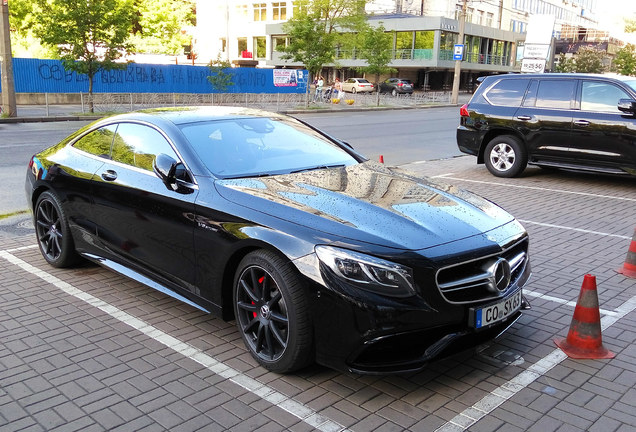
(505, 156)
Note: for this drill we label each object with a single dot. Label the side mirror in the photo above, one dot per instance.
(165, 167)
(628, 106)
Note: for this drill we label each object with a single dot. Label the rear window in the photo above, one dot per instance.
(508, 92)
(555, 93)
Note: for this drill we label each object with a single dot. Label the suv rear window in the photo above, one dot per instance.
(555, 93)
(508, 92)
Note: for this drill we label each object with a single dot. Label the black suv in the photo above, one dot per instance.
(572, 121)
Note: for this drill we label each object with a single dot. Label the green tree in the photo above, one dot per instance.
(221, 74)
(565, 64)
(159, 24)
(590, 60)
(630, 25)
(318, 27)
(377, 51)
(625, 60)
(87, 35)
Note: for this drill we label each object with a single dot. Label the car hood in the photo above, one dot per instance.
(371, 203)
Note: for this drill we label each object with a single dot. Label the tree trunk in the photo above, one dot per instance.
(377, 90)
(91, 107)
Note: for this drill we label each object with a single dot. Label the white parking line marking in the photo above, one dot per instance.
(543, 189)
(497, 397)
(21, 248)
(574, 229)
(562, 301)
(298, 410)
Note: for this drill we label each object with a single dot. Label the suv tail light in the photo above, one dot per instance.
(463, 111)
(400, 84)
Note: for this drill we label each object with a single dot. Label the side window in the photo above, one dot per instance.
(600, 96)
(507, 92)
(138, 145)
(97, 142)
(555, 94)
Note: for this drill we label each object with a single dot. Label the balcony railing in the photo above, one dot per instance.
(428, 54)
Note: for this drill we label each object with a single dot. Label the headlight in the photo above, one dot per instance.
(369, 273)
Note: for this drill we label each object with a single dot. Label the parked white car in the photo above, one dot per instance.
(357, 85)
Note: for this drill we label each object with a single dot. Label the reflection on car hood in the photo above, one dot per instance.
(371, 203)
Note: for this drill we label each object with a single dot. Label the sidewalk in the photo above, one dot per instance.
(73, 112)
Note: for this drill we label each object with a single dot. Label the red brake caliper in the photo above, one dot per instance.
(260, 281)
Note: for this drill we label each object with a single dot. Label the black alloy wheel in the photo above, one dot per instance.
(394, 92)
(271, 312)
(52, 232)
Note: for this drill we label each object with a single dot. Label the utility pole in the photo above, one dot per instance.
(458, 63)
(8, 88)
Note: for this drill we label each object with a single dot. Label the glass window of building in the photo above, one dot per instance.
(241, 10)
(279, 11)
(242, 45)
(259, 47)
(489, 18)
(260, 11)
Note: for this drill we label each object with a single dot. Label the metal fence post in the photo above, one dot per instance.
(46, 101)
(82, 100)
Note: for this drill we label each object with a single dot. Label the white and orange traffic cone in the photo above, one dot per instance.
(584, 340)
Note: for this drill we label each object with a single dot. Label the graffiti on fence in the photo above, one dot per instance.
(49, 76)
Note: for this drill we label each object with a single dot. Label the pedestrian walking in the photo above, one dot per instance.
(319, 85)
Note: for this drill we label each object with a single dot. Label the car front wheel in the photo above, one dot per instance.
(505, 156)
(272, 313)
(52, 231)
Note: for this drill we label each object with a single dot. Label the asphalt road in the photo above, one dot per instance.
(400, 136)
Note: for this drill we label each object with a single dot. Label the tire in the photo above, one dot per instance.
(353, 90)
(275, 322)
(505, 156)
(52, 232)
(394, 92)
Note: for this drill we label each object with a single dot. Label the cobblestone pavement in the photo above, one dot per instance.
(88, 350)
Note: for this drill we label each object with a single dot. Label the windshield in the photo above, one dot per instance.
(257, 146)
(363, 81)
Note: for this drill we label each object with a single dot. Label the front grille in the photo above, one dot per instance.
(476, 281)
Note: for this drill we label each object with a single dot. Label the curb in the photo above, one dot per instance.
(326, 109)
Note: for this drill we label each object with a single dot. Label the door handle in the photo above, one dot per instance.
(581, 122)
(524, 117)
(109, 175)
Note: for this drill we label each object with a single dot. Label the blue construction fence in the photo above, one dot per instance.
(49, 76)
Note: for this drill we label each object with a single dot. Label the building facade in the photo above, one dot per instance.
(248, 33)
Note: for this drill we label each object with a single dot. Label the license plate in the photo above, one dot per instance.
(496, 312)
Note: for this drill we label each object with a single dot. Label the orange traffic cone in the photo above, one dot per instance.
(629, 268)
(584, 339)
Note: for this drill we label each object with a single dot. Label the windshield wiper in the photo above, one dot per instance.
(318, 168)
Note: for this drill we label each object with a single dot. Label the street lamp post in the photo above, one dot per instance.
(458, 63)
(8, 89)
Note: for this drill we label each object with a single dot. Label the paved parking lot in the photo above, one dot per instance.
(86, 349)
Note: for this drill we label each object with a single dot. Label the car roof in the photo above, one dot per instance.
(560, 76)
(193, 114)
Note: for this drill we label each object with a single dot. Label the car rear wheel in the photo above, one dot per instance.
(353, 90)
(505, 156)
(394, 92)
(272, 313)
(52, 231)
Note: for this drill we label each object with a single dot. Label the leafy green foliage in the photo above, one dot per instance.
(625, 60)
(587, 60)
(590, 60)
(316, 29)
(159, 24)
(565, 64)
(87, 35)
(630, 25)
(377, 51)
(221, 74)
